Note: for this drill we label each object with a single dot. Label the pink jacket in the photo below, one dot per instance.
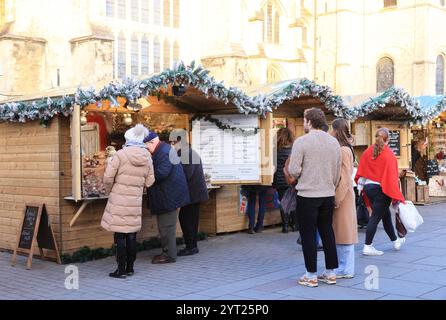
(125, 178)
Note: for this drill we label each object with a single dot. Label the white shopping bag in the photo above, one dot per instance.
(410, 217)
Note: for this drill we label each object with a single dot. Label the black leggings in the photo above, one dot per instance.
(380, 211)
(125, 250)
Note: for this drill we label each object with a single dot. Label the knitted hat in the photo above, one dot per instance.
(136, 134)
(150, 137)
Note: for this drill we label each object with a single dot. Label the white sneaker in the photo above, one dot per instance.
(371, 251)
(398, 243)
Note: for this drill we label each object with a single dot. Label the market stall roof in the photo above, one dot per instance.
(294, 96)
(393, 104)
(431, 106)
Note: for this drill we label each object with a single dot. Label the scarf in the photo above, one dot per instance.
(135, 144)
(384, 170)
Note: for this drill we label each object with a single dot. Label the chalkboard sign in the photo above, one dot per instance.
(35, 229)
(395, 142)
(29, 226)
(432, 169)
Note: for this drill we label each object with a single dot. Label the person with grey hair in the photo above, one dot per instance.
(126, 175)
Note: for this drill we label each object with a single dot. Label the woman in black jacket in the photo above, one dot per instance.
(285, 139)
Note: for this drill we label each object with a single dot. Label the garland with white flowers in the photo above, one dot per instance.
(433, 112)
(199, 78)
(396, 96)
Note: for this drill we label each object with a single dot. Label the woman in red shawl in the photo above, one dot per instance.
(378, 176)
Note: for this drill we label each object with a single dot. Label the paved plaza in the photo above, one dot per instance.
(248, 267)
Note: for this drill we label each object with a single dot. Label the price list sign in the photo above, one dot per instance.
(229, 156)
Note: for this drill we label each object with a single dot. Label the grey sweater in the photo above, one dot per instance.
(316, 163)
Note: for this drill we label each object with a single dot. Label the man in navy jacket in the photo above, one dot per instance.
(198, 193)
(167, 195)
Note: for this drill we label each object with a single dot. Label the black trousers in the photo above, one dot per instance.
(380, 211)
(125, 250)
(317, 214)
(189, 219)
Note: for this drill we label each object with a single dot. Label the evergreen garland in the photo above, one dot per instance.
(223, 126)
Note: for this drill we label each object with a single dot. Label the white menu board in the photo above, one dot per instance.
(228, 156)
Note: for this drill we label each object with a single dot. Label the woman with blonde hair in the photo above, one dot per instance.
(378, 176)
(344, 216)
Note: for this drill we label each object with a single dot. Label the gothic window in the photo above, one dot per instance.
(176, 53)
(121, 56)
(166, 55)
(122, 9)
(157, 12)
(135, 10)
(134, 57)
(304, 35)
(144, 56)
(390, 3)
(109, 9)
(385, 74)
(145, 11)
(176, 13)
(166, 8)
(439, 76)
(271, 23)
(157, 56)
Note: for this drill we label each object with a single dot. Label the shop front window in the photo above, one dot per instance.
(385, 74)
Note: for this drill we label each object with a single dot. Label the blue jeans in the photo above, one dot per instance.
(346, 256)
(252, 196)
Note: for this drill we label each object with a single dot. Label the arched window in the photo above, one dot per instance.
(109, 9)
(390, 3)
(271, 22)
(134, 57)
(122, 48)
(176, 53)
(166, 55)
(156, 56)
(145, 11)
(385, 74)
(135, 10)
(166, 14)
(176, 13)
(276, 28)
(273, 75)
(122, 9)
(144, 56)
(157, 12)
(439, 75)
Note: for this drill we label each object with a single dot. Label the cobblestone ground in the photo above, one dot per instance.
(247, 267)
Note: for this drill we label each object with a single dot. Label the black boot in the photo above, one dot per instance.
(284, 222)
(121, 256)
(131, 253)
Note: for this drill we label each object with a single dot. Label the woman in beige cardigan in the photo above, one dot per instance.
(344, 217)
(125, 177)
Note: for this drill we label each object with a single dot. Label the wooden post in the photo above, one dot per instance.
(76, 153)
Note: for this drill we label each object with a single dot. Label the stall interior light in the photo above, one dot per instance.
(83, 118)
(127, 119)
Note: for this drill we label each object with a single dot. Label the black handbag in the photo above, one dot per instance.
(362, 213)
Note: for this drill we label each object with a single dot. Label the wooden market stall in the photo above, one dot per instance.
(429, 148)
(395, 110)
(53, 151)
